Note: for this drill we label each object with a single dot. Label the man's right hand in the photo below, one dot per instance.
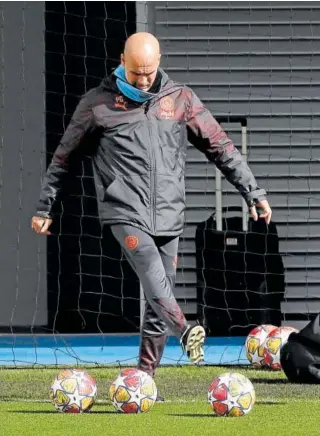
(41, 225)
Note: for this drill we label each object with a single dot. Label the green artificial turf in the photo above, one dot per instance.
(281, 408)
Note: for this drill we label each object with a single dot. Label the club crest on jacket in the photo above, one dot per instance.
(167, 108)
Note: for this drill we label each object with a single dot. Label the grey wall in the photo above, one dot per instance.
(23, 291)
(260, 59)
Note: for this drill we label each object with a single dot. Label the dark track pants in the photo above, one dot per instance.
(154, 259)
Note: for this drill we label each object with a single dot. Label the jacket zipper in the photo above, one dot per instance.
(153, 174)
(153, 166)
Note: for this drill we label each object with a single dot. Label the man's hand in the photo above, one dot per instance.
(265, 213)
(41, 225)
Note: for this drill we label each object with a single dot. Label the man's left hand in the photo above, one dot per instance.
(265, 211)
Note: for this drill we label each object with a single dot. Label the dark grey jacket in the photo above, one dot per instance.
(139, 165)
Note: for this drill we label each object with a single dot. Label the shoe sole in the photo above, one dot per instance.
(195, 341)
(160, 400)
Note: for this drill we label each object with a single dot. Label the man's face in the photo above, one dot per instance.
(140, 73)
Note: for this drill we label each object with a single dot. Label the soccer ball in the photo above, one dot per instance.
(255, 343)
(73, 391)
(273, 344)
(231, 394)
(133, 391)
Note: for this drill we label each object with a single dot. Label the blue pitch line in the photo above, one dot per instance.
(102, 350)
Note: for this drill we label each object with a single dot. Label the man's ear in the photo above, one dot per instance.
(122, 59)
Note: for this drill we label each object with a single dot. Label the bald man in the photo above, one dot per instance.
(146, 121)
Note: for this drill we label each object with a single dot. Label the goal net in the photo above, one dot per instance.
(72, 298)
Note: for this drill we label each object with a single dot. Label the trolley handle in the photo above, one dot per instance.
(233, 119)
(219, 209)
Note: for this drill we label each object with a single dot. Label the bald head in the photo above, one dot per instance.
(141, 59)
(142, 45)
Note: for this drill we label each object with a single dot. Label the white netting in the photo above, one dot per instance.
(258, 61)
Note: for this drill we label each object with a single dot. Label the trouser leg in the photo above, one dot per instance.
(154, 329)
(144, 256)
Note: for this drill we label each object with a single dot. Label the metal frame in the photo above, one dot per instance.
(218, 190)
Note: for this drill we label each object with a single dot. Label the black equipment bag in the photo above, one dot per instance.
(240, 273)
(300, 356)
(240, 276)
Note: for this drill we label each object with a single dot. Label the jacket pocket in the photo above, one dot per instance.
(170, 202)
(102, 185)
(132, 193)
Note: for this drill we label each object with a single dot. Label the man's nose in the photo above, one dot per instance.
(143, 81)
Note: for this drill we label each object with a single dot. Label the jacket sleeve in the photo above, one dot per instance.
(80, 123)
(206, 134)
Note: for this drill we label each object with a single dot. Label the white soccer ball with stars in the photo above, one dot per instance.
(73, 391)
(133, 391)
(276, 339)
(231, 394)
(255, 344)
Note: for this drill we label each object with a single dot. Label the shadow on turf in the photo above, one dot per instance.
(194, 415)
(102, 412)
(211, 415)
(270, 403)
(269, 381)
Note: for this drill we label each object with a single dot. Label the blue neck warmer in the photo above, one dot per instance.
(128, 90)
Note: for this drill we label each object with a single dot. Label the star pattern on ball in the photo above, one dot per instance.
(73, 391)
(231, 395)
(133, 392)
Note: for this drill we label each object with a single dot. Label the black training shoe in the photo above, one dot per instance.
(160, 399)
(192, 342)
